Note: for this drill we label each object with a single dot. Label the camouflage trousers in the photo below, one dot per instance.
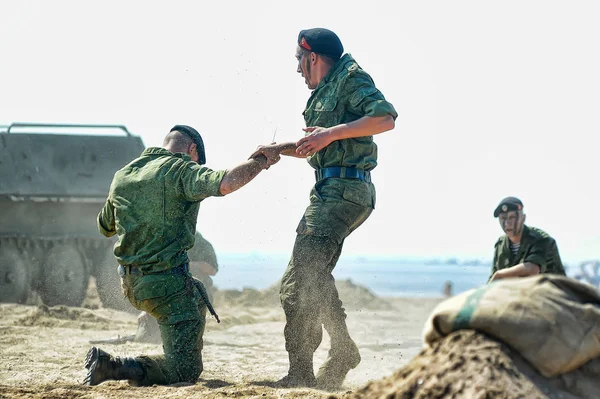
(148, 329)
(308, 294)
(181, 314)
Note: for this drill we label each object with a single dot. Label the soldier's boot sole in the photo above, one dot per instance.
(332, 373)
(98, 364)
(92, 355)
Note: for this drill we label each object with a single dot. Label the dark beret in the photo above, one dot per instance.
(321, 41)
(508, 204)
(195, 136)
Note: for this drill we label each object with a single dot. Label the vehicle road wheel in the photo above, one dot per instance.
(65, 277)
(14, 274)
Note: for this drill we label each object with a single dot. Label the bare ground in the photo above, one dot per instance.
(42, 349)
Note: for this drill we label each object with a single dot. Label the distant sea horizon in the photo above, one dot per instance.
(383, 275)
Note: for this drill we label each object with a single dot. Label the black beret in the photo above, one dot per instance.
(195, 136)
(508, 204)
(321, 41)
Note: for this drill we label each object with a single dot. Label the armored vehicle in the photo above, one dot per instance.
(52, 186)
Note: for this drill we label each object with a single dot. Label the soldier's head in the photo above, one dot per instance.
(186, 139)
(511, 217)
(317, 51)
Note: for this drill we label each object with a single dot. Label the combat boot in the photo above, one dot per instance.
(300, 374)
(342, 358)
(103, 366)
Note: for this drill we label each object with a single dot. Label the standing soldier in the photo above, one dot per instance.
(152, 207)
(522, 251)
(343, 113)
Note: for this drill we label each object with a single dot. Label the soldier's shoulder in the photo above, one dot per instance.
(200, 241)
(351, 70)
(500, 241)
(184, 166)
(135, 161)
(358, 75)
(539, 234)
(123, 172)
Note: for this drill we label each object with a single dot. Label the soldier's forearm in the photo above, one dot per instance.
(289, 149)
(531, 269)
(242, 174)
(520, 270)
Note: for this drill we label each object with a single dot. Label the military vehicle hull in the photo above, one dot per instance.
(52, 187)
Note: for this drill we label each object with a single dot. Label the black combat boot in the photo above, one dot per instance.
(300, 374)
(343, 357)
(103, 366)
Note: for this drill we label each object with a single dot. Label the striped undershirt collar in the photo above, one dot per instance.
(515, 247)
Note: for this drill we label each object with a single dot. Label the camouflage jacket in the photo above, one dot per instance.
(346, 94)
(536, 247)
(153, 205)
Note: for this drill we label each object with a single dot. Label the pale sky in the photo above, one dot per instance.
(494, 99)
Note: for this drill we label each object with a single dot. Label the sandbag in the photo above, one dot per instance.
(552, 320)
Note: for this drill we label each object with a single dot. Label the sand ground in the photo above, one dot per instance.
(42, 350)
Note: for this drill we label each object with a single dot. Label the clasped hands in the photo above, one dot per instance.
(317, 139)
(266, 158)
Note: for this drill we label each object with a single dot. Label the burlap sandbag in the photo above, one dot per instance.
(553, 321)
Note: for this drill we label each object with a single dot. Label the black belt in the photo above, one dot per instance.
(343, 172)
(135, 270)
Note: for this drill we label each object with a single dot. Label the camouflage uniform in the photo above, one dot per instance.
(536, 247)
(337, 207)
(152, 207)
(202, 251)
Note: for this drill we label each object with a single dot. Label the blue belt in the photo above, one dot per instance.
(135, 270)
(343, 172)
